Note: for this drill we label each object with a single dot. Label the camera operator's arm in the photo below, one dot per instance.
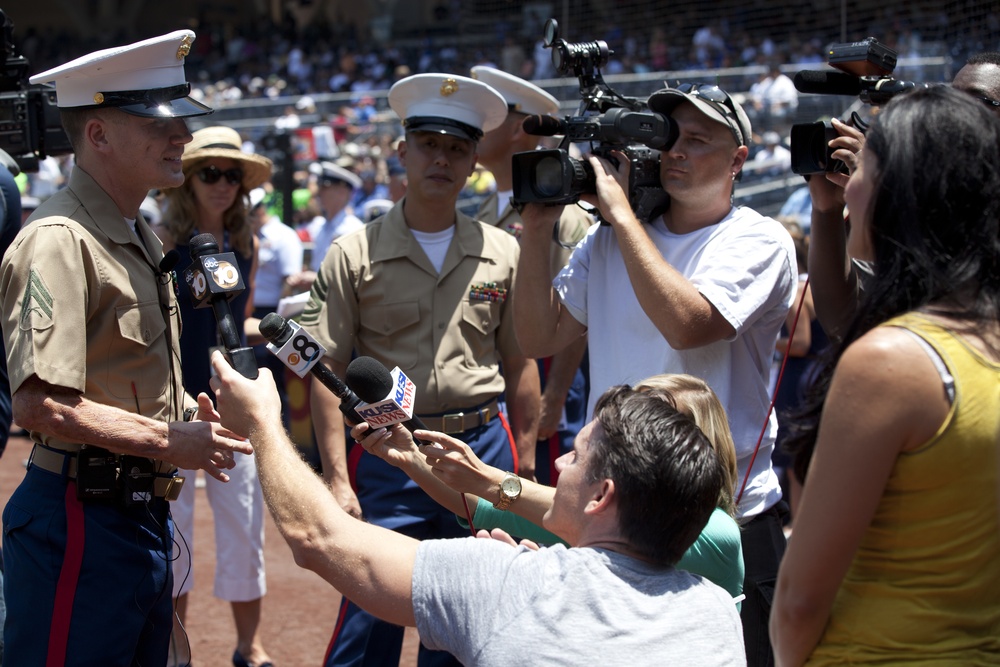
(542, 323)
(832, 275)
(681, 313)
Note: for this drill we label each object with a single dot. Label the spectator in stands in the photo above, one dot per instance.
(773, 159)
(773, 98)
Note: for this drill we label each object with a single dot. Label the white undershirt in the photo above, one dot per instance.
(435, 244)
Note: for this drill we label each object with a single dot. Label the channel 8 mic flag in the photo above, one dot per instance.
(300, 352)
(396, 407)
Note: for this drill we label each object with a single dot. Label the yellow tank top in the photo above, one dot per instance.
(924, 586)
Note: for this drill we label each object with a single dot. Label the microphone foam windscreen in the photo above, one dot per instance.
(369, 379)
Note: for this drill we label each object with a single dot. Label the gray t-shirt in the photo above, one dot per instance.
(490, 604)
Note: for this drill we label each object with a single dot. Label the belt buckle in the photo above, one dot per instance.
(448, 421)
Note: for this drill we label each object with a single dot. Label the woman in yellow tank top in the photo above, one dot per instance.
(896, 552)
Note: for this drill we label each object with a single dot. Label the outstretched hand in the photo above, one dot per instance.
(394, 445)
(244, 404)
(454, 463)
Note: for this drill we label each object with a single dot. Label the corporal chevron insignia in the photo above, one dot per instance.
(37, 298)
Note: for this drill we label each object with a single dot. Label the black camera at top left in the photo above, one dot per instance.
(30, 129)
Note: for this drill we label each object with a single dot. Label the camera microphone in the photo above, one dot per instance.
(543, 126)
(214, 279)
(389, 397)
(826, 83)
(871, 89)
(301, 353)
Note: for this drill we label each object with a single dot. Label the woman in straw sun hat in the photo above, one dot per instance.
(218, 176)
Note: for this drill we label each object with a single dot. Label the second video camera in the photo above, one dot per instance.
(607, 119)
(864, 67)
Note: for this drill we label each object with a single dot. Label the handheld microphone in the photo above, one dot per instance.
(214, 280)
(543, 126)
(301, 353)
(388, 397)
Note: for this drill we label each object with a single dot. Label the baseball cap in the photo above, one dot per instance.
(143, 79)
(447, 104)
(709, 99)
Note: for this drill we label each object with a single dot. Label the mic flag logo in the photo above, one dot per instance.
(222, 273)
(394, 408)
(300, 352)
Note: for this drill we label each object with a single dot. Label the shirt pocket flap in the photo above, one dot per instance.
(141, 323)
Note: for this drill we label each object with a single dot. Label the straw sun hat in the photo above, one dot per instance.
(225, 142)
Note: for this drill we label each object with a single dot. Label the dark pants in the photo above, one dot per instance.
(763, 546)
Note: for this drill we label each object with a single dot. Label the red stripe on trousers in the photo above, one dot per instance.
(69, 576)
(337, 628)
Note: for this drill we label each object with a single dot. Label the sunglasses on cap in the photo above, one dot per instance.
(212, 174)
(989, 102)
(722, 101)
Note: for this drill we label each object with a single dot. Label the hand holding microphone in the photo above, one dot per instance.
(301, 353)
(214, 280)
(388, 396)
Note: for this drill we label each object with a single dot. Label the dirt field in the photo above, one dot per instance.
(299, 610)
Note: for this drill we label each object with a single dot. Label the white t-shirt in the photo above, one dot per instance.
(745, 266)
(488, 603)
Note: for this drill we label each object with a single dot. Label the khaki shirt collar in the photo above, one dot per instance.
(109, 219)
(397, 241)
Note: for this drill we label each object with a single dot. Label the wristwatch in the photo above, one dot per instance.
(510, 490)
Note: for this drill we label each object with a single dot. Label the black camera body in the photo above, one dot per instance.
(605, 118)
(30, 128)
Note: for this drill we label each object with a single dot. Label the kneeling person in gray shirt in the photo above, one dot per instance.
(632, 496)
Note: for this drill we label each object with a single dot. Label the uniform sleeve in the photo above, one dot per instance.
(45, 280)
(332, 313)
(747, 275)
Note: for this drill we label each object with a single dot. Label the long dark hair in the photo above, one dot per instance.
(935, 227)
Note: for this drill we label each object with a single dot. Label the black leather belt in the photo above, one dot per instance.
(65, 463)
(462, 420)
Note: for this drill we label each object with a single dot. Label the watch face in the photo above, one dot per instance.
(511, 487)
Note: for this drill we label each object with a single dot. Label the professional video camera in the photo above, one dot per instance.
(610, 120)
(864, 67)
(30, 128)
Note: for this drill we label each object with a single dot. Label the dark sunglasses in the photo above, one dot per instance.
(720, 98)
(212, 174)
(991, 103)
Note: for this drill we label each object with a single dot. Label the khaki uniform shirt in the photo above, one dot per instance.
(378, 293)
(573, 225)
(84, 307)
